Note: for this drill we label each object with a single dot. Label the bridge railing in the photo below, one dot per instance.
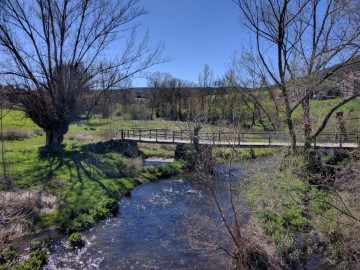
(233, 138)
(339, 138)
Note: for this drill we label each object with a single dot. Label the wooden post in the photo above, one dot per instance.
(269, 136)
(122, 134)
(341, 138)
(219, 136)
(156, 135)
(173, 136)
(139, 134)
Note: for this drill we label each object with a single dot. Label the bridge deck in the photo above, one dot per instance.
(245, 144)
(239, 140)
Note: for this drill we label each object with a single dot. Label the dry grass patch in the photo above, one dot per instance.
(16, 211)
(12, 135)
(81, 137)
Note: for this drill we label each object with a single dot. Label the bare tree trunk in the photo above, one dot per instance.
(330, 113)
(307, 122)
(54, 137)
(6, 179)
(289, 120)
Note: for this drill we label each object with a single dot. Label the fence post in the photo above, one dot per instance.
(150, 133)
(173, 136)
(269, 137)
(140, 135)
(122, 134)
(156, 135)
(341, 138)
(219, 136)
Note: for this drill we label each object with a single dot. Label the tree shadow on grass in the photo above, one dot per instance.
(78, 171)
(86, 186)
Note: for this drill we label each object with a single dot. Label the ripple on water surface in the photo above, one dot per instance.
(146, 234)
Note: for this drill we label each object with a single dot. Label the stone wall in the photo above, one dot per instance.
(125, 147)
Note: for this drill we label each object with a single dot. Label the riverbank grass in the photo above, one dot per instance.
(223, 154)
(72, 190)
(85, 187)
(305, 217)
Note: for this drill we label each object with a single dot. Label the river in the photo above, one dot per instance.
(148, 232)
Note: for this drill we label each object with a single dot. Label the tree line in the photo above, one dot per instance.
(55, 60)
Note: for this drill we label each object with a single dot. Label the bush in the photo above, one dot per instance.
(81, 137)
(12, 135)
(37, 259)
(6, 258)
(165, 171)
(111, 205)
(81, 222)
(134, 165)
(76, 240)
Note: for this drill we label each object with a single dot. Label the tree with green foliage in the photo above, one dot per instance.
(53, 51)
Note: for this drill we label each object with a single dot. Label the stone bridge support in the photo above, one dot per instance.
(126, 147)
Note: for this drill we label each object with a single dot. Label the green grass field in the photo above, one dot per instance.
(74, 175)
(320, 108)
(86, 185)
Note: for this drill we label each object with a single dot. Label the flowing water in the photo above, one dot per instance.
(147, 233)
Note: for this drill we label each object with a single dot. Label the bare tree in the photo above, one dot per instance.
(312, 41)
(206, 78)
(250, 79)
(168, 96)
(54, 50)
(223, 225)
(156, 82)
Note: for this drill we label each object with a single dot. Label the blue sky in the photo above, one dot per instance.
(195, 32)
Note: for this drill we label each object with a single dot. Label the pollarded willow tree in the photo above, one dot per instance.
(302, 47)
(53, 51)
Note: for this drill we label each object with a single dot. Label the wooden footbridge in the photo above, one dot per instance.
(237, 139)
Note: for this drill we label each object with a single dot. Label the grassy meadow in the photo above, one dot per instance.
(72, 190)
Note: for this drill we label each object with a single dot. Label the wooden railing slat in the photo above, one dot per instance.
(237, 138)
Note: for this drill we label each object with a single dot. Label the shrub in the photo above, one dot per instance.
(76, 240)
(81, 222)
(37, 259)
(12, 135)
(111, 205)
(134, 165)
(7, 257)
(81, 137)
